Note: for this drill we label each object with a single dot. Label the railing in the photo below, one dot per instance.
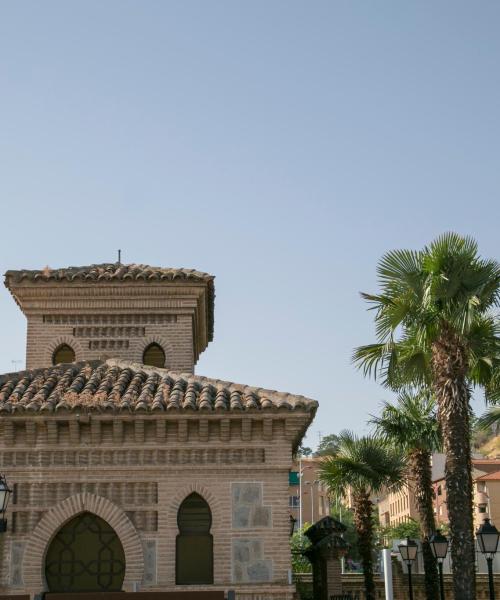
(354, 588)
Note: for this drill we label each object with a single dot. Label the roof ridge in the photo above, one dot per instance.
(116, 269)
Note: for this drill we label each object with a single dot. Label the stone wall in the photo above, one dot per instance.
(135, 471)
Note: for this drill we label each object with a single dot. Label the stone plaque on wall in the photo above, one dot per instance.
(149, 547)
(248, 512)
(16, 561)
(249, 564)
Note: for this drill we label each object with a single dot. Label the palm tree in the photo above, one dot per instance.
(362, 466)
(412, 426)
(435, 327)
(489, 419)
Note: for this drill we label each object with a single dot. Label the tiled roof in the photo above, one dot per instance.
(495, 476)
(108, 272)
(120, 386)
(117, 272)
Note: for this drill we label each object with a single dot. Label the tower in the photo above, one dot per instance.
(153, 315)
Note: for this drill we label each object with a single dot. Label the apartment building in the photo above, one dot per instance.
(306, 486)
(486, 493)
(395, 508)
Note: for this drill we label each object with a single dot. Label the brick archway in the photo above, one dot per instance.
(161, 341)
(220, 531)
(205, 493)
(59, 341)
(40, 538)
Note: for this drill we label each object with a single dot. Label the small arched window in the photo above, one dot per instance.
(194, 561)
(63, 354)
(154, 356)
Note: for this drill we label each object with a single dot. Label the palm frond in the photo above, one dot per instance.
(411, 423)
(489, 418)
(362, 463)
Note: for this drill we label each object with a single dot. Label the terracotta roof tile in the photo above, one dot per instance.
(123, 386)
(495, 476)
(108, 272)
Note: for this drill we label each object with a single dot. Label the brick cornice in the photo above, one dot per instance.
(40, 538)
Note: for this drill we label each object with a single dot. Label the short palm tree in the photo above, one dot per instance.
(362, 466)
(411, 425)
(435, 327)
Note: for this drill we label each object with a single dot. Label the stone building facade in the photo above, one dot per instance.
(174, 471)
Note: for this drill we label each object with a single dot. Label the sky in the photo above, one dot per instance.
(282, 146)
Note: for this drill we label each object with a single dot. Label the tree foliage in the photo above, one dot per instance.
(410, 528)
(328, 445)
(436, 327)
(298, 544)
(362, 466)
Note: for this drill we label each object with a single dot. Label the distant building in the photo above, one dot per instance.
(486, 493)
(399, 507)
(313, 493)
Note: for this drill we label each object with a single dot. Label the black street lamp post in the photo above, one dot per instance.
(5, 493)
(408, 551)
(293, 523)
(487, 539)
(439, 545)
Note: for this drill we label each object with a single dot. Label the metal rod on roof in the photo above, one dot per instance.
(119, 257)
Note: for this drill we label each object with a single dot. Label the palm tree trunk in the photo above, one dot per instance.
(449, 364)
(363, 521)
(420, 465)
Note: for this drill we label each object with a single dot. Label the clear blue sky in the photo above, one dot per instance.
(283, 146)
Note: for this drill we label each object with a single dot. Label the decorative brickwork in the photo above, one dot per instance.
(55, 342)
(120, 305)
(34, 554)
(161, 341)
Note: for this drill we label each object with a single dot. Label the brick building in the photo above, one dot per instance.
(486, 493)
(129, 471)
(308, 496)
(395, 508)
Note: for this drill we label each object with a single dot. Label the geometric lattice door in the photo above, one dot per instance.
(86, 555)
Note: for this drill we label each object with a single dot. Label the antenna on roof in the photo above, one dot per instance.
(119, 257)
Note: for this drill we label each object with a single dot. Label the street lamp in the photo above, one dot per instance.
(5, 493)
(487, 539)
(439, 546)
(293, 522)
(408, 551)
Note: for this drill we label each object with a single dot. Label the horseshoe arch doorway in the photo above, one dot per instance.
(85, 555)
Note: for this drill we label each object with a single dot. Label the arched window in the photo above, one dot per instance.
(154, 356)
(63, 354)
(86, 555)
(194, 544)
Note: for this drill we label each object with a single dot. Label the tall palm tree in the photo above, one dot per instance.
(435, 326)
(412, 426)
(362, 466)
